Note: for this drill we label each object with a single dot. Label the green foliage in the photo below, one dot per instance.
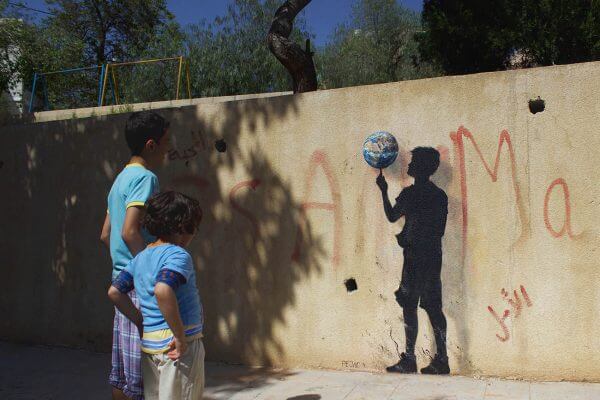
(378, 45)
(97, 32)
(561, 31)
(230, 55)
(154, 81)
(466, 36)
(17, 46)
(227, 56)
(10, 31)
(381, 42)
(111, 30)
(80, 33)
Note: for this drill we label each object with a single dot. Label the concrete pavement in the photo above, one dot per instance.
(51, 373)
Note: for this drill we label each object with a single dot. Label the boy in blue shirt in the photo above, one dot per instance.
(171, 316)
(148, 139)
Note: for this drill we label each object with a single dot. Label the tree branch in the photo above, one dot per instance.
(297, 61)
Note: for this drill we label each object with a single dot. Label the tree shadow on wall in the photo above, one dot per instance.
(61, 173)
(244, 248)
(58, 175)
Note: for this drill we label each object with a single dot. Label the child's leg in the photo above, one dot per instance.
(151, 373)
(117, 376)
(183, 379)
(131, 347)
(198, 386)
(126, 376)
(117, 373)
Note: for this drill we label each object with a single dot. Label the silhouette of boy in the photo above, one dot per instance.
(424, 207)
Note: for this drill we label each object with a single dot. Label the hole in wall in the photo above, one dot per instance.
(537, 105)
(221, 146)
(351, 285)
(1, 164)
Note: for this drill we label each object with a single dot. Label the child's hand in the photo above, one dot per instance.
(177, 348)
(381, 182)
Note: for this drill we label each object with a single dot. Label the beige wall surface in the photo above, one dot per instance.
(292, 211)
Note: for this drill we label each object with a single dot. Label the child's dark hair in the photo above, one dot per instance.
(168, 213)
(141, 127)
(426, 160)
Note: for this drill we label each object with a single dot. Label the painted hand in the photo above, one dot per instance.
(177, 349)
(381, 182)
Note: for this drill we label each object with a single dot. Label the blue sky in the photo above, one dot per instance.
(322, 15)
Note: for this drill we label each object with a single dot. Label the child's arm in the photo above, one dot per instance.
(167, 302)
(105, 234)
(126, 307)
(394, 213)
(117, 293)
(132, 230)
(131, 233)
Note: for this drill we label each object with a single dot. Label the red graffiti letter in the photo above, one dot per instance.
(567, 224)
(526, 296)
(317, 159)
(457, 139)
(502, 324)
(515, 302)
(253, 184)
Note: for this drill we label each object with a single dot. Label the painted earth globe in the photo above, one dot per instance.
(380, 149)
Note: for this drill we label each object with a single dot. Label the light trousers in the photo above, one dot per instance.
(183, 379)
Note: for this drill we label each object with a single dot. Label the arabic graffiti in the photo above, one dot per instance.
(516, 304)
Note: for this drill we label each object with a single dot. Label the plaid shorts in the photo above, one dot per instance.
(126, 372)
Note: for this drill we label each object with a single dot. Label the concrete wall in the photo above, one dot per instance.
(292, 210)
(57, 115)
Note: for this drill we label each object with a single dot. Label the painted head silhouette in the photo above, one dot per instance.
(425, 161)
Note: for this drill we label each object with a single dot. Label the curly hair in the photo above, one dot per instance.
(171, 212)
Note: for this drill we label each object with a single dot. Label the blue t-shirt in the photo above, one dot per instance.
(145, 268)
(132, 187)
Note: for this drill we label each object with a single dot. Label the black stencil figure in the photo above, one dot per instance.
(424, 207)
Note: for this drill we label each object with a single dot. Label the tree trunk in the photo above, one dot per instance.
(297, 61)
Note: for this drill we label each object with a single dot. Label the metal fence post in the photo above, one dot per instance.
(179, 77)
(100, 85)
(35, 75)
